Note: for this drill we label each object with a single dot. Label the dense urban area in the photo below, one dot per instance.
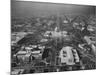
(53, 43)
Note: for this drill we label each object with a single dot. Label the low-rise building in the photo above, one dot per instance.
(69, 56)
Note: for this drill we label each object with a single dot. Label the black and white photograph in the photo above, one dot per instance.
(52, 37)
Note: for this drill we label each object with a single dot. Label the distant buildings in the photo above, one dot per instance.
(55, 33)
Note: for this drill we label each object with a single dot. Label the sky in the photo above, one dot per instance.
(30, 8)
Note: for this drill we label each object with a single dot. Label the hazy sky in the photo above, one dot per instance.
(29, 9)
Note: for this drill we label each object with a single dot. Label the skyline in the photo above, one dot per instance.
(31, 8)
